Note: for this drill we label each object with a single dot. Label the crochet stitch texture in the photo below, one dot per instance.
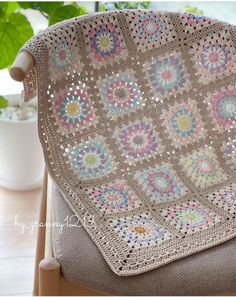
(137, 118)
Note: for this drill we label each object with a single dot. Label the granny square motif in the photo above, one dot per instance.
(114, 197)
(137, 118)
(104, 40)
(213, 56)
(182, 122)
(161, 183)
(167, 75)
(190, 217)
(138, 140)
(120, 93)
(221, 105)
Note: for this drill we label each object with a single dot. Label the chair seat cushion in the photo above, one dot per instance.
(210, 272)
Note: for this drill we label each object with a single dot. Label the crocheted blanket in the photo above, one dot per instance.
(137, 118)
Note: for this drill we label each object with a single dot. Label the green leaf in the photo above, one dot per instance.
(102, 7)
(3, 102)
(3, 5)
(12, 6)
(117, 5)
(145, 4)
(194, 10)
(6, 8)
(131, 5)
(14, 32)
(47, 7)
(127, 5)
(66, 12)
(82, 10)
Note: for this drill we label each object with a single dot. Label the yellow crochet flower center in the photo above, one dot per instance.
(104, 42)
(73, 109)
(191, 217)
(91, 159)
(140, 230)
(184, 123)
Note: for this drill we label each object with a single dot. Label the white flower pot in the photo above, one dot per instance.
(21, 156)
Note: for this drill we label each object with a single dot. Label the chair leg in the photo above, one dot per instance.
(41, 234)
(49, 277)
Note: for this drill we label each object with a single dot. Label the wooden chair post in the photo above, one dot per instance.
(49, 277)
(41, 234)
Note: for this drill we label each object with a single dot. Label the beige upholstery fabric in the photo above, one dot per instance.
(210, 272)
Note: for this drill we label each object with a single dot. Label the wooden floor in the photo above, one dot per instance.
(17, 245)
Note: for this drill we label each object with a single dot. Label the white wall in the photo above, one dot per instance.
(222, 10)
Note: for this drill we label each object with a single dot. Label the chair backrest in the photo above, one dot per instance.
(137, 113)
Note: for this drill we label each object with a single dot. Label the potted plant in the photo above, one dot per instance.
(21, 157)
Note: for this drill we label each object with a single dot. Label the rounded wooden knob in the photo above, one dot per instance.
(49, 264)
(17, 73)
(22, 65)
